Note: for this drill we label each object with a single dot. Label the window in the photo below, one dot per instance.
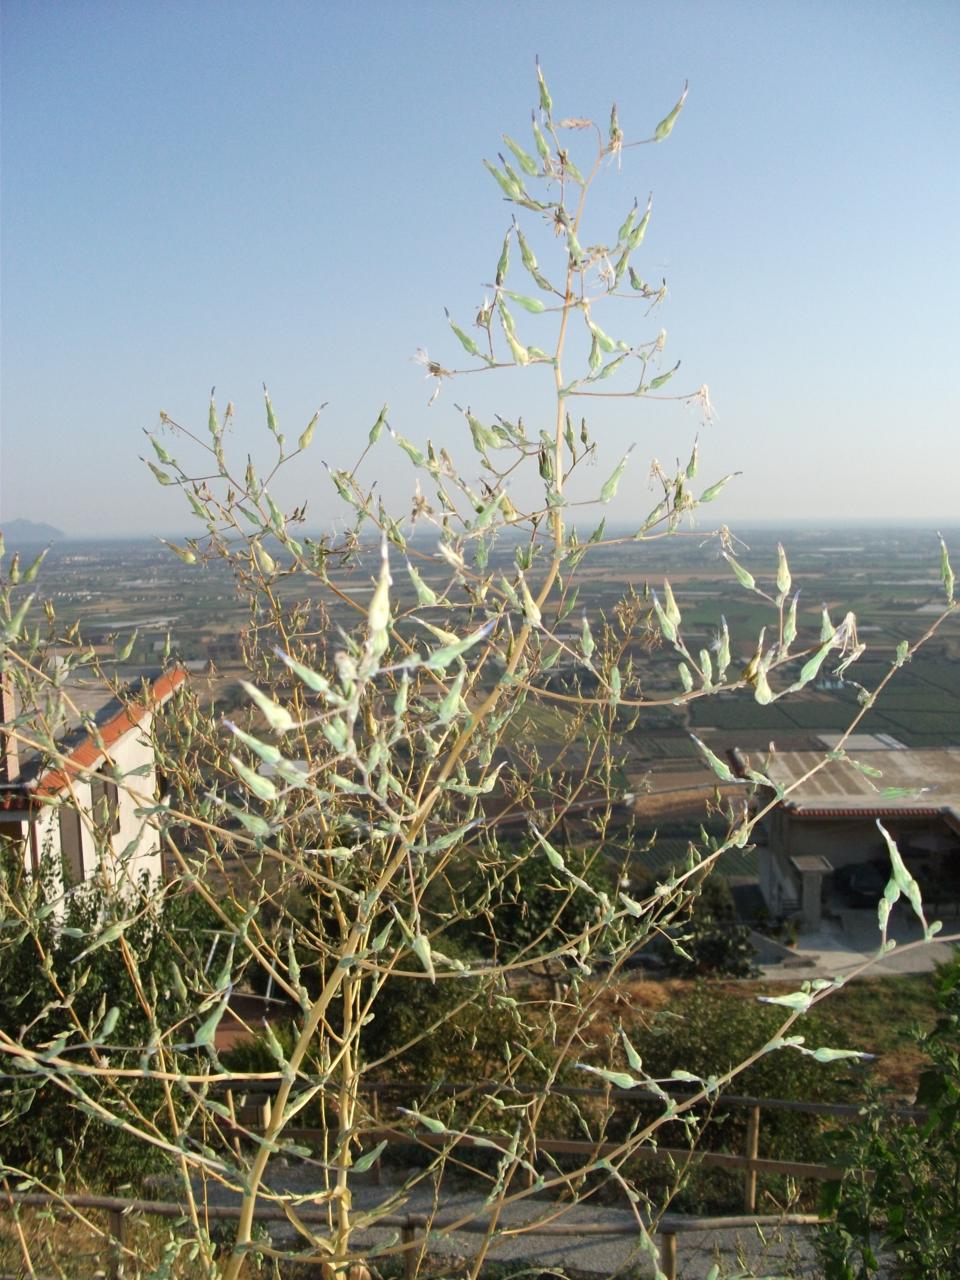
(105, 805)
(71, 845)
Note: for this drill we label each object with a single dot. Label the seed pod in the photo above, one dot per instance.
(665, 127)
(503, 263)
(616, 684)
(826, 626)
(595, 357)
(790, 625)
(783, 572)
(616, 133)
(573, 248)
(670, 607)
(278, 718)
(709, 494)
(509, 189)
(546, 102)
(667, 628)
(686, 679)
(609, 490)
(160, 475)
(694, 458)
(586, 639)
(723, 648)
(425, 595)
(531, 610)
(745, 578)
(663, 378)
(605, 341)
(526, 162)
(213, 424)
(706, 668)
(533, 305)
(265, 562)
(307, 436)
(261, 787)
(377, 429)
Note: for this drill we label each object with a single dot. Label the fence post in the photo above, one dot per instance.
(668, 1255)
(408, 1233)
(115, 1224)
(753, 1147)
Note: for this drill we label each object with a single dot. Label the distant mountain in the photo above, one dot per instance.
(18, 532)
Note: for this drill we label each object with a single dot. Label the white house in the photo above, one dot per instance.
(78, 817)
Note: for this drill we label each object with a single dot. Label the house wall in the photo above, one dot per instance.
(130, 853)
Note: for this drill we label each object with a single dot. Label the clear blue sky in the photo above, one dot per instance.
(225, 193)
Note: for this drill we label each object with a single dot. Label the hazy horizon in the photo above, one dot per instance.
(292, 194)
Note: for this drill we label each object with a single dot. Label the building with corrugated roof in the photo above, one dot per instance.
(823, 834)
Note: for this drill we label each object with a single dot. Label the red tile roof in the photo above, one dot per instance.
(87, 754)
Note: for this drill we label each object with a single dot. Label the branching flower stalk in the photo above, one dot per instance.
(370, 818)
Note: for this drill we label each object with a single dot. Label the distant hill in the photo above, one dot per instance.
(18, 532)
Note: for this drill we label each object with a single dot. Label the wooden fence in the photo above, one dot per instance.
(254, 1109)
(119, 1209)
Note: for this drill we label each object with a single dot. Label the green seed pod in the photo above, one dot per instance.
(586, 639)
(503, 263)
(663, 378)
(609, 490)
(790, 625)
(425, 595)
(161, 452)
(686, 679)
(670, 607)
(573, 171)
(708, 495)
(546, 102)
(541, 143)
(160, 475)
(526, 162)
(184, 553)
(723, 648)
(265, 562)
(826, 626)
(667, 628)
(616, 133)
(595, 356)
(531, 610)
(706, 668)
(261, 787)
(694, 458)
(573, 248)
(745, 578)
(616, 684)
(410, 449)
(377, 429)
(783, 572)
(605, 341)
(533, 305)
(636, 283)
(30, 573)
(665, 127)
(307, 436)
(213, 425)
(509, 189)
(272, 423)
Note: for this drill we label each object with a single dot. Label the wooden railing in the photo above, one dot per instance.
(256, 1114)
(119, 1210)
(251, 1113)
